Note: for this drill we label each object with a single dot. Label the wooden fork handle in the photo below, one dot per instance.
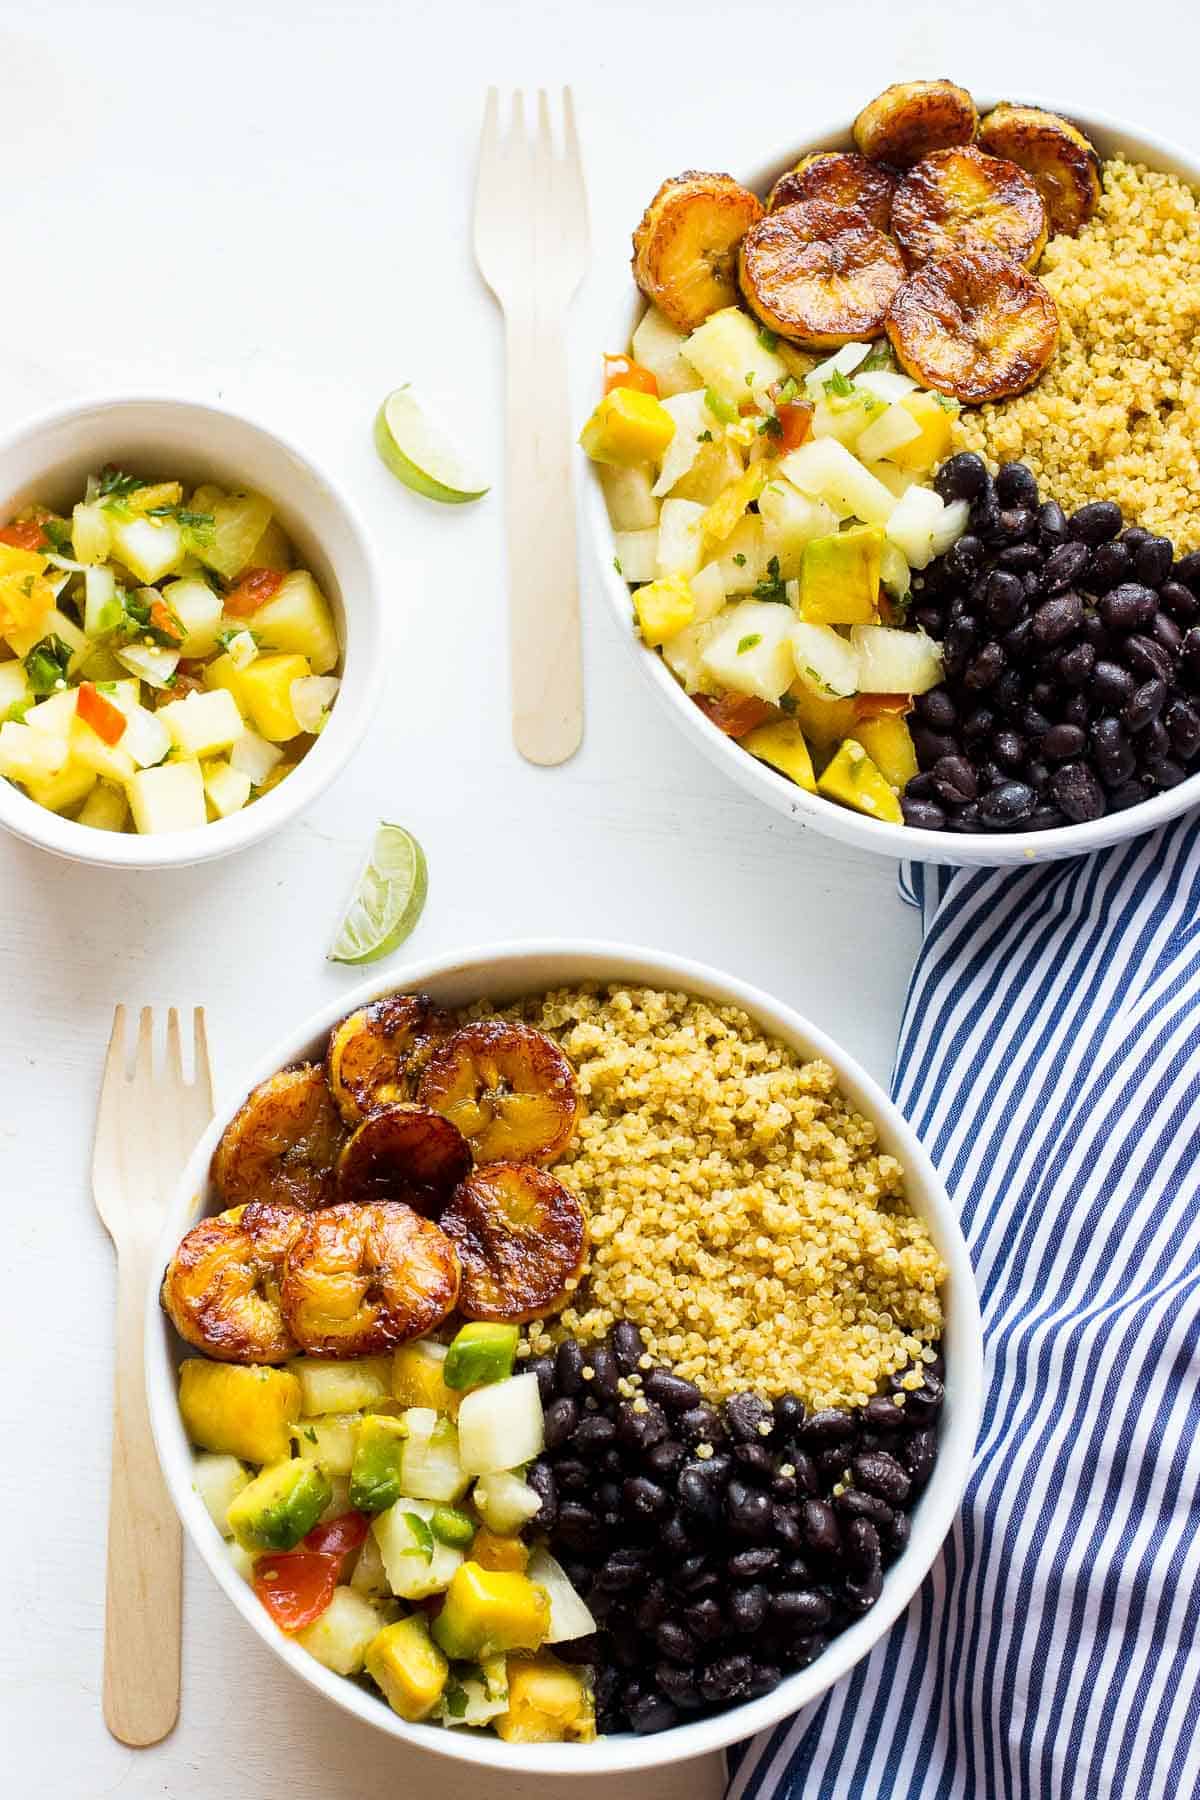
(143, 1623)
(546, 667)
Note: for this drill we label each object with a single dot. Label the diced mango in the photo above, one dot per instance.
(888, 742)
(853, 779)
(408, 1667)
(223, 672)
(824, 722)
(782, 745)
(935, 418)
(488, 1610)
(724, 514)
(266, 689)
(418, 1378)
(663, 607)
(839, 577)
(25, 595)
(491, 1551)
(626, 428)
(246, 1412)
(548, 1703)
(227, 789)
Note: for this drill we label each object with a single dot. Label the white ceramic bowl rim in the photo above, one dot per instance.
(986, 848)
(346, 727)
(504, 971)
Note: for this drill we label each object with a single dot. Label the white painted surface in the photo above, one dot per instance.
(270, 205)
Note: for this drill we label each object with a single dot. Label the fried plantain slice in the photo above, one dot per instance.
(963, 199)
(358, 1279)
(375, 1056)
(221, 1287)
(820, 275)
(508, 1088)
(521, 1238)
(282, 1143)
(1054, 153)
(408, 1153)
(974, 325)
(911, 118)
(840, 178)
(685, 248)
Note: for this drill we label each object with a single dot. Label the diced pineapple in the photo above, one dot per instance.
(896, 662)
(743, 556)
(223, 672)
(853, 779)
(824, 469)
(663, 608)
(790, 520)
(244, 1411)
(627, 428)
(342, 1635)
(888, 742)
(228, 789)
(887, 433)
(750, 650)
(729, 355)
(915, 522)
(265, 687)
(198, 610)
(239, 521)
(53, 624)
(846, 417)
(692, 422)
(151, 548)
(725, 514)
(55, 714)
(825, 661)
(407, 1665)
(168, 798)
(342, 1387)
(106, 808)
(329, 1440)
(782, 745)
(112, 762)
(154, 495)
(272, 551)
(629, 496)
(896, 481)
(417, 1563)
(418, 1377)
(91, 539)
(716, 466)
(934, 417)
(548, 1703)
(219, 1480)
(679, 541)
(28, 755)
(636, 554)
(708, 593)
(298, 618)
(370, 1576)
(684, 656)
(15, 690)
(59, 793)
(657, 345)
(203, 724)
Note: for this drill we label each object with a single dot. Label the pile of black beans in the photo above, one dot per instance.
(1072, 662)
(712, 1576)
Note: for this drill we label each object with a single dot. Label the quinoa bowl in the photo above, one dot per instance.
(1093, 453)
(608, 1003)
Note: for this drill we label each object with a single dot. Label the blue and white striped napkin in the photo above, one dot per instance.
(1049, 1058)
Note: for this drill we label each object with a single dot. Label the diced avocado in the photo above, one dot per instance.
(488, 1610)
(280, 1506)
(408, 1666)
(450, 1525)
(627, 428)
(246, 1412)
(853, 779)
(495, 1550)
(479, 1353)
(375, 1472)
(839, 577)
(888, 742)
(782, 745)
(548, 1703)
(418, 1377)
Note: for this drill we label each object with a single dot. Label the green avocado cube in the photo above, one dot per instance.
(375, 1471)
(839, 577)
(280, 1506)
(481, 1353)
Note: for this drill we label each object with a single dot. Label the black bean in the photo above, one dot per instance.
(642, 1498)
(608, 1498)
(964, 558)
(1077, 793)
(752, 1565)
(1148, 659)
(1145, 705)
(611, 1461)
(625, 1342)
(1063, 566)
(1133, 535)
(665, 1459)
(699, 1493)
(755, 1460)
(748, 1510)
(881, 1474)
(795, 1573)
(1164, 772)
(652, 1712)
(675, 1641)
(802, 1608)
(857, 1503)
(744, 1414)
(1020, 643)
(671, 1391)
(577, 1525)
(700, 1425)
(954, 779)
(922, 815)
(1111, 685)
(962, 477)
(896, 1534)
(1052, 523)
(1015, 485)
(1045, 818)
(543, 1368)
(1077, 711)
(1166, 633)
(882, 1414)
(1153, 742)
(678, 1685)
(832, 1425)
(605, 1373)
(652, 1607)
(540, 1478)
(1003, 600)
(695, 1575)
(559, 1421)
(1006, 805)
(1016, 522)
(1009, 749)
(623, 1570)
(785, 1526)
(1187, 571)
(1112, 751)
(860, 1596)
(985, 668)
(1108, 565)
(1152, 561)
(675, 1534)
(764, 1677)
(594, 1432)
(1097, 522)
(984, 515)
(1076, 664)
(1183, 723)
(931, 746)
(704, 1620)
(921, 786)
(748, 1607)
(788, 1414)
(1189, 657)
(728, 1678)
(923, 1404)
(1022, 559)
(861, 1539)
(1038, 775)
(1062, 742)
(1033, 723)
(929, 618)
(937, 708)
(819, 1526)
(966, 818)
(1127, 606)
(1056, 618)
(804, 1472)
(831, 1463)
(568, 1367)
(1179, 600)
(641, 1430)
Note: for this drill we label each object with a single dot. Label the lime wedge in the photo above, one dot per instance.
(388, 900)
(419, 454)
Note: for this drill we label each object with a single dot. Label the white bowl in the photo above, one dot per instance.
(50, 459)
(501, 973)
(998, 849)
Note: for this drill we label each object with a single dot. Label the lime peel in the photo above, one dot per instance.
(388, 899)
(419, 453)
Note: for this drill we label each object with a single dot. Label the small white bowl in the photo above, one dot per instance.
(50, 459)
(996, 849)
(500, 973)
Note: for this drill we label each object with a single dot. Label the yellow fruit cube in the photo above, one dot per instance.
(29, 755)
(237, 1410)
(627, 428)
(782, 745)
(888, 742)
(168, 798)
(266, 691)
(407, 1665)
(934, 415)
(239, 521)
(824, 722)
(663, 607)
(272, 551)
(25, 594)
(491, 1551)
(227, 789)
(158, 493)
(106, 808)
(91, 538)
(298, 618)
(853, 779)
(341, 1387)
(151, 548)
(62, 791)
(418, 1378)
(343, 1634)
(489, 1610)
(109, 761)
(724, 514)
(548, 1703)
(839, 577)
(203, 724)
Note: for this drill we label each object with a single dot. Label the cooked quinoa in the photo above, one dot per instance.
(1117, 414)
(742, 1213)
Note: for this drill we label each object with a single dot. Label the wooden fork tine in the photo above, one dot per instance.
(174, 1045)
(143, 1056)
(201, 1068)
(574, 158)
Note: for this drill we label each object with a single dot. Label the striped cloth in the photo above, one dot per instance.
(1049, 1058)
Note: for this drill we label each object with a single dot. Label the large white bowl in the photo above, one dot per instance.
(502, 973)
(999, 849)
(50, 459)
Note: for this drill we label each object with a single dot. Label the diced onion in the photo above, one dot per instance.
(145, 737)
(569, 1617)
(312, 696)
(255, 756)
(151, 663)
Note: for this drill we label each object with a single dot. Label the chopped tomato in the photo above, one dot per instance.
(795, 424)
(25, 534)
(296, 1586)
(878, 706)
(255, 588)
(735, 714)
(338, 1537)
(105, 719)
(623, 372)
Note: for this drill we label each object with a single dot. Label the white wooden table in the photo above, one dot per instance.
(270, 205)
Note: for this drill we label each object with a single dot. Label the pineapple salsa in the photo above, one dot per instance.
(769, 509)
(163, 662)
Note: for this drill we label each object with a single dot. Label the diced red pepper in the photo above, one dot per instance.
(106, 720)
(338, 1537)
(795, 424)
(253, 590)
(296, 1586)
(878, 706)
(165, 621)
(26, 534)
(623, 372)
(735, 714)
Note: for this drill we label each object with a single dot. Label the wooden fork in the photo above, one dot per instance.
(531, 244)
(146, 1126)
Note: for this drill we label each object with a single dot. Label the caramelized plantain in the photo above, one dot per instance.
(359, 1279)
(962, 199)
(221, 1287)
(508, 1088)
(1054, 153)
(375, 1056)
(282, 1143)
(911, 118)
(521, 1238)
(840, 178)
(407, 1153)
(974, 325)
(685, 248)
(820, 275)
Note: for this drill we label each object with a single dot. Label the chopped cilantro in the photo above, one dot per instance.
(311, 1435)
(839, 383)
(616, 566)
(750, 378)
(115, 488)
(456, 1702)
(27, 587)
(739, 559)
(749, 642)
(771, 426)
(772, 585)
(768, 339)
(226, 637)
(46, 664)
(878, 358)
(59, 534)
(789, 392)
(947, 404)
(787, 702)
(16, 712)
(198, 527)
(420, 1530)
(719, 407)
(704, 437)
